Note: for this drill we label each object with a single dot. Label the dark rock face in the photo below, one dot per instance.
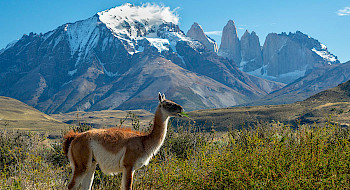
(230, 46)
(288, 57)
(87, 66)
(196, 32)
(251, 52)
(283, 57)
(200, 60)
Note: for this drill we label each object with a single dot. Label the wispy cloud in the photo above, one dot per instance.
(215, 33)
(344, 12)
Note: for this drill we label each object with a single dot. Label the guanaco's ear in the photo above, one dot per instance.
(163, 96)
(160, 97)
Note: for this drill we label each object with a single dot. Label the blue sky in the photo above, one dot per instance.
(326, 21)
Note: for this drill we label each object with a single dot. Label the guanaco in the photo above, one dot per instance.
(117, 149)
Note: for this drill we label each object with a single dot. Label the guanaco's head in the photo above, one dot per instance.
(171, 108)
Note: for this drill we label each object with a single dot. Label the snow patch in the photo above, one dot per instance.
(244, 62)
(57, 40)
(136, 21)
(82, 35)
(71, 73)
(108, 73)
(182, 59)
(257, 72)
(66, 83)
(288, 76)
(325, 55)
(140, 49)
(294, 74)
(159, 43)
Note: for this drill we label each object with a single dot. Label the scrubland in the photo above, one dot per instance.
(263, 156)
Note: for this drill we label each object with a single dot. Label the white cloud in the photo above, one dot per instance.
(215, 33)
(344, 12)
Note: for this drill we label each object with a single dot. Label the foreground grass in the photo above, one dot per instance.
(269, 156)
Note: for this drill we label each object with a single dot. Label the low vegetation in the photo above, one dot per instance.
(263, 156)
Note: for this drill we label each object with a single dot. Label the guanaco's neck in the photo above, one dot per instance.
(157, 134)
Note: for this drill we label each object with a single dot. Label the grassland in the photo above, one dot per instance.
(269, 156)
(17, 115)
(106, 118)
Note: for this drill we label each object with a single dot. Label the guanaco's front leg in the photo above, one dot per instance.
(128, 173)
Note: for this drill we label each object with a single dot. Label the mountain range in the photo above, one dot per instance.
(283, 57)
(121, 57)
(118, 59)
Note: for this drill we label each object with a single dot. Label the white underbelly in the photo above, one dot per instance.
(110, 163)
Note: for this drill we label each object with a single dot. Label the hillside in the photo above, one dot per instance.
(317, 108)
(315, 81)
(17, 115)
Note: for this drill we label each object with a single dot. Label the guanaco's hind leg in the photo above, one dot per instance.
(89, 177)
(80, 157)
(128, 173)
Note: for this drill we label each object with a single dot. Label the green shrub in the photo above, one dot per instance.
(265, 156)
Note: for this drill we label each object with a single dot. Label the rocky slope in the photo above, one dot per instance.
(315, 81)
(119, 59)
(196, 32)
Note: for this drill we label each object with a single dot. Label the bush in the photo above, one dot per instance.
(265, 156)
(26, 162)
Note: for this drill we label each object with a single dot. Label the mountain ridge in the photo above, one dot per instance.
(81, 65)
(283, 57)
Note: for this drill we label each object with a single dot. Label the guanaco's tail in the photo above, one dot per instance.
(68, 138)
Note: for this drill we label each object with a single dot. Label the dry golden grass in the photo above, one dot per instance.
(17, 115)
(106, 118)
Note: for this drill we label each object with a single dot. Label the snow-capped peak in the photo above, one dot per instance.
(325, 54)
(137, 21)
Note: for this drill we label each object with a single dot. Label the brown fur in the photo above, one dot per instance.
(68, 138)
(131, 145)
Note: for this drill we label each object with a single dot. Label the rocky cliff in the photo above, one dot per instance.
(251, 52)
(230, 45)
(287, 57)
(196, 32)
(283, 57)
